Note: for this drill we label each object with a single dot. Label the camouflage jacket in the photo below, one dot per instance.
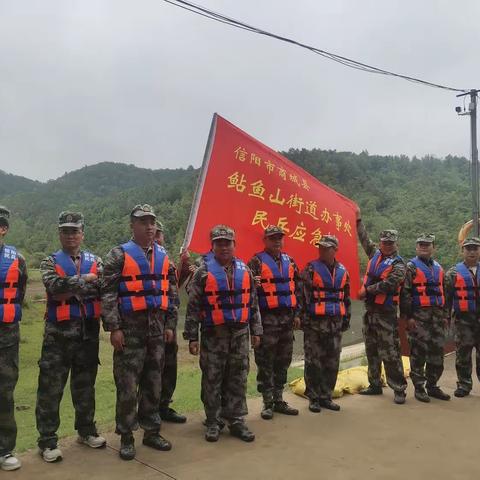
(307, 278)
(184, 273)
(255, 265)
(450, 280)
(394, 279)
(407, 308)
(200, 261)
(10, 332)
(195, 305)
(74, 285)
(142, 323)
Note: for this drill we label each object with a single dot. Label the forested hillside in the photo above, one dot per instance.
(412, 195)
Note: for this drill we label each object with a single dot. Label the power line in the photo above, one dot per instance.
(348, 62)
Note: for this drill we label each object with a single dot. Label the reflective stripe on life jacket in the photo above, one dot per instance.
(466, 289)
(73, 307)
(10, 308)
(427, 286)
(144, 285)
(378, 269)
(328, 289)
(277, 288)
(225, 302)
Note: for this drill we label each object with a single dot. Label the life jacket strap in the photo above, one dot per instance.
(5, 301)
(143, 293)
(274, 294)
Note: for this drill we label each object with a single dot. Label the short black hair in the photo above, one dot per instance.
(4, 222)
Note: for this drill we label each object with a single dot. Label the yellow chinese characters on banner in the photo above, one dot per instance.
(249, 186)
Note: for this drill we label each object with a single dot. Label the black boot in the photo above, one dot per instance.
(371, 390)
(127, 447)
(461, 392)
(170, 415)
(241, 431)
(283, 407)
(314, 406)
(156, 441)
(399, 397)
(421, 395)
(212, 433)
(329, 405)
(267, 411)
(437, 392)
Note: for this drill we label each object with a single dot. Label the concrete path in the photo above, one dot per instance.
(371, 438)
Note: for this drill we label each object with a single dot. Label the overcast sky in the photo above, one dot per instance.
(137, 82)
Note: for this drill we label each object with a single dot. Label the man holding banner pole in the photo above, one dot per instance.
(384, 277)
(170, 366)
(279, 291)
(223, 302)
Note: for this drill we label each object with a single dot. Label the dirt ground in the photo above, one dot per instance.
(371, 438)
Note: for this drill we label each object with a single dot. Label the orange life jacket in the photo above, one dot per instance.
(10, 308)
(328, 292)
(277, 288)
(143, 285)
(466, 289)
(225, 303)
(73, 308)
(378, 269)
(427, 285)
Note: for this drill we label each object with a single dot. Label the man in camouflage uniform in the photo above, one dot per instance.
(139, 304)
(13, 282)
(384, 277)
(169, 374)
(279, 312)
(462, 288)
(70, 343)
(422, 303)
(225, 312)
(327, 314)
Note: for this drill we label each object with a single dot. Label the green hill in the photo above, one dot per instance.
(412, 195)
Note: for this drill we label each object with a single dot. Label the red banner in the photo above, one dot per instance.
(247, 185)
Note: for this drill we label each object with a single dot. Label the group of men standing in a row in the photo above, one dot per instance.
(135, 292)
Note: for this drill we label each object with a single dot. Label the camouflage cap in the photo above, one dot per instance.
(144, 210)
(71, 219)
(471, 241)
(273, 230)
(388, 235)
(4, 214)
(426, 238)
(222, 231)
(159, 226)
(328, 241)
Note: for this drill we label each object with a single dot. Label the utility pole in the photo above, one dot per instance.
(472, 111)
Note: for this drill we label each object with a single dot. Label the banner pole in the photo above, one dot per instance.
(199, 187)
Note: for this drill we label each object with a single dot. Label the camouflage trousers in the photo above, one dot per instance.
(169, 374)
(467, 337)
(224, 361)
(382, 344)
(426, 351)
(8, 381)
(322, 346)
(61, 356)
(273, 357)
(137, 371)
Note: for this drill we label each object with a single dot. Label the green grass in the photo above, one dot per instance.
(186, 398)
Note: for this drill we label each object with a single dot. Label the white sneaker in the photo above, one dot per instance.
(10, 462)
(51, 455)
(94, 441)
